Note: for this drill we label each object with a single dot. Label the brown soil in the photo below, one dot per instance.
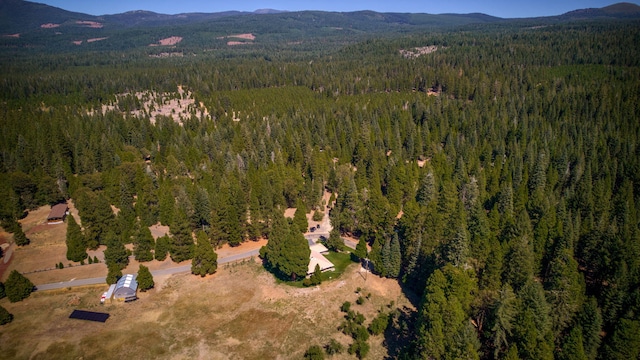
(90, 24)
(243, 36)
(168, 41)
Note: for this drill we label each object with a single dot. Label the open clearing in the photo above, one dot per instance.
(238, 313)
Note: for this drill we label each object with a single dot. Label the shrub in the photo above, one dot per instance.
(145, 279)
(360, 300)
(359, 348)
(333, 347)
(314, 352)
(5, 316)
(379, 324)
(345, 307)
(317, 216)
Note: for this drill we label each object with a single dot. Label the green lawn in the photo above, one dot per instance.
(340, 262)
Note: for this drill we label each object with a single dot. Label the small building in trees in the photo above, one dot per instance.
(126, 288)
(317, 258)
(58, 213)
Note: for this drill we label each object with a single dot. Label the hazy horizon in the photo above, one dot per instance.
(499, 8)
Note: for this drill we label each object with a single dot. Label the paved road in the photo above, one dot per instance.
(169, 271)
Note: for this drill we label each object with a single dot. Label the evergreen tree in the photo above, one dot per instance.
(19, 237)
(231, 228)
(116, 254)
(316, 277)
(3, 294)
(287, 251)
(590, 320)
(295, 255)
(5, 316)
(300, 217)
(181, 245)
(144, 278)
(572, 348)
(335, 242)
(427, 190)
(360, 252)
(205, 259)
(391, 256)
(162, 248)
(202, 207)
(143, 244)
(503, 316)
(18, 287)
(114, 273)
(624, 343)
(457, 248)
(76, 248)
(443, 319)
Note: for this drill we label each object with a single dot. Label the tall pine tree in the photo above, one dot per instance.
(205, 259)
(76, 248)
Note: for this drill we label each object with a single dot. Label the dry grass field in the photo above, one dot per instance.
(238, 313)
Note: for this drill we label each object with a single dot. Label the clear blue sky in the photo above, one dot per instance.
(501, 8)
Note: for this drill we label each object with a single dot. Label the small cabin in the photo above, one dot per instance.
(58, 213)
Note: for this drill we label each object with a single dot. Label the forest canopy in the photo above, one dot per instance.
(496, 177)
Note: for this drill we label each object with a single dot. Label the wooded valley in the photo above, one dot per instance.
(497, 176)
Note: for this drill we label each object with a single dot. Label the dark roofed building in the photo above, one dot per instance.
(58, 213)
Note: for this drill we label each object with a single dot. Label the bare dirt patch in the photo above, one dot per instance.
(418, 51)
(49, 26)
(47, 245)
(243, 36)
(173, 40)
(90, 24)
(232, 43)
(97, 39)
(238, 313)
(177, 106)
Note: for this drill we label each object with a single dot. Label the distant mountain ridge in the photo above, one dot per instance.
(619, 10)
(43, 25)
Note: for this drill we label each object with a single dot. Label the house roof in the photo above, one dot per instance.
(318, 259)
(319, 248)
(58, 211)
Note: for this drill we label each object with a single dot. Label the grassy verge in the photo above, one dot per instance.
(340, 262)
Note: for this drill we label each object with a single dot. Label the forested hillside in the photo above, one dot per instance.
(504, 162)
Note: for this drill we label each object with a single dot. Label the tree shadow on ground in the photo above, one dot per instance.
(399, 335)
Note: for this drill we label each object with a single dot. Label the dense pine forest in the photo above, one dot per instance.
(496, 176)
